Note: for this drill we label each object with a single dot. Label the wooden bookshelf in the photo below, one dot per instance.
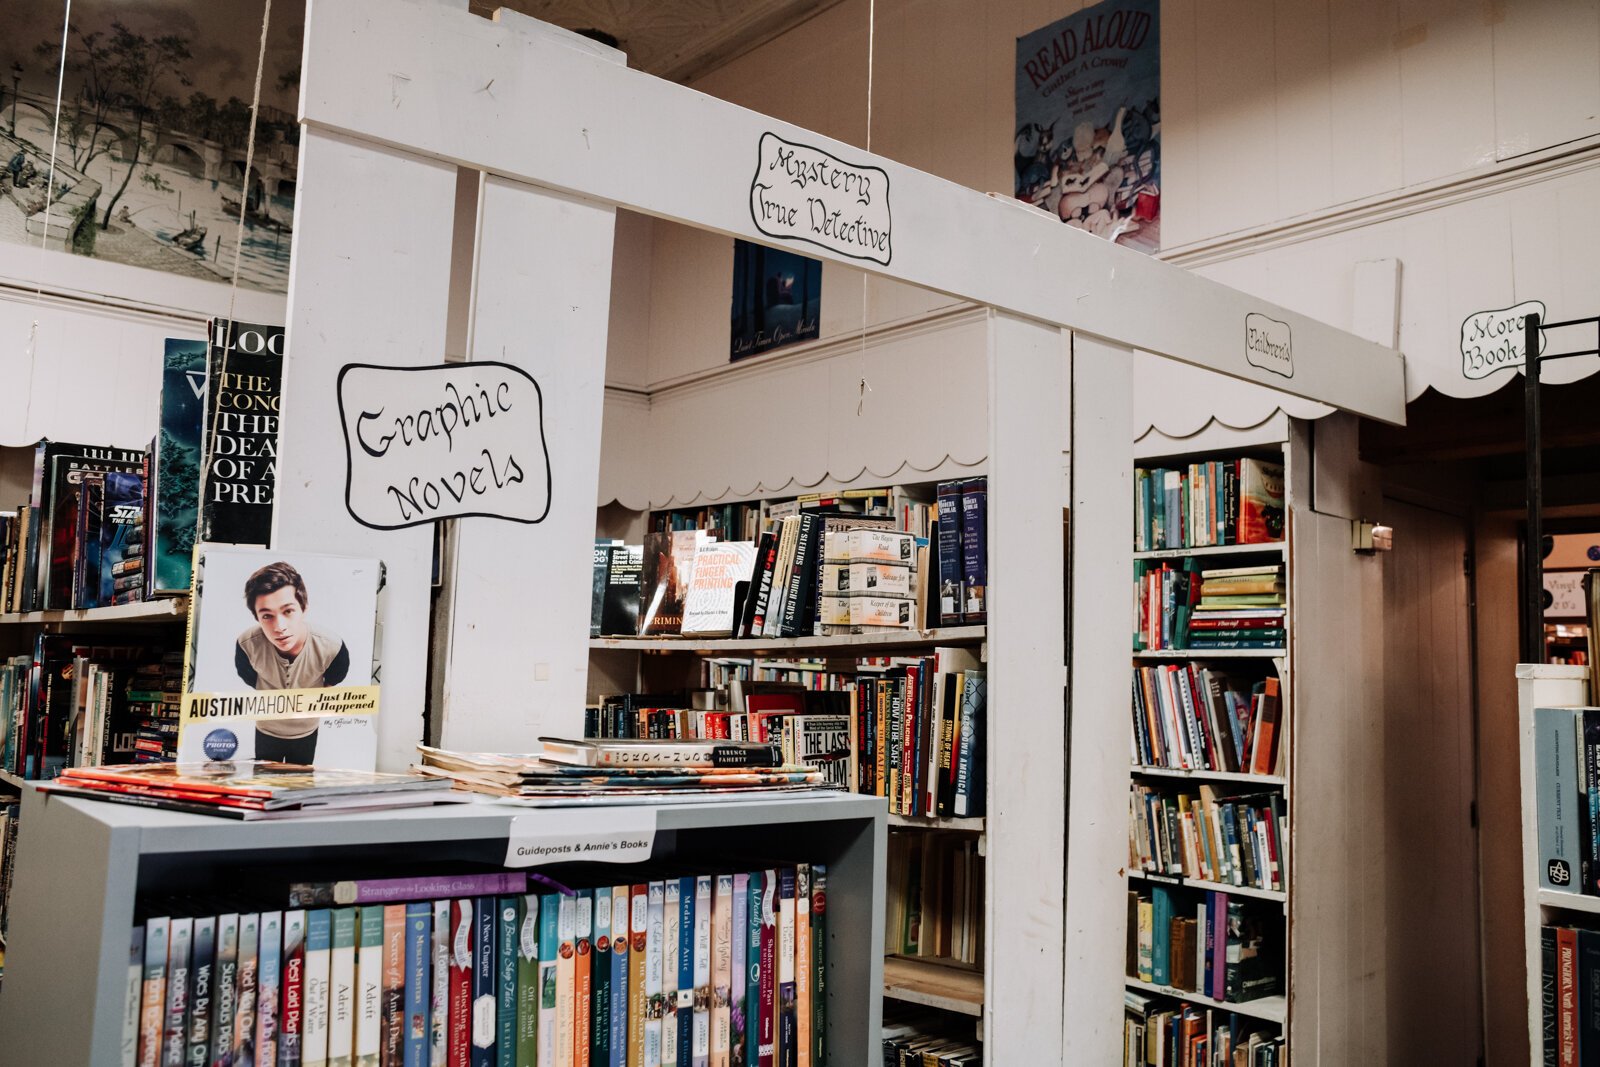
(1210, 776)
(1270, 1009)
(776, 647)
(933, 985)
(1278, 895)
(1264, 547)
(167, 609)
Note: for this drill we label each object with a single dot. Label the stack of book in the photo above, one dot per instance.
(1217, 502)
(571, 772)
(86, 699)
(251, 790)
(1569, 994)
(1158, 1032)
(934, 890)
(912, 730)
(858, 562)
(1220, 946)
(1181, 606)
(1194, 718)
(680, 968)
(917, 1037)
(1235, 840)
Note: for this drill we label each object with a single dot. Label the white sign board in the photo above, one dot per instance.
(802, 193)
(568, 835)
(1268, 344)
(1495, 340)
(430, 443)
(1565, 589)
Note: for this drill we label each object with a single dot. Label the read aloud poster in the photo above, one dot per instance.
(1088, 143)
(282, 659)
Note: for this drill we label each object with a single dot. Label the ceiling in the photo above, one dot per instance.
(674, 39)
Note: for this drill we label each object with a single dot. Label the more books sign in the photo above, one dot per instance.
(430, 443)
(1495, 340)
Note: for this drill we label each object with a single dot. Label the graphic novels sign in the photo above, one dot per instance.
(1088, 141)
(1268, 344)
(430, 443)
(800, 193)
(1495, 340)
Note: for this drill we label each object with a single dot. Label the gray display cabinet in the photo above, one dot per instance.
(81, 863)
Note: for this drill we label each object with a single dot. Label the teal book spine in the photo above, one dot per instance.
(506, 984)
(1162, 941)
(175, 467)
(419, 984)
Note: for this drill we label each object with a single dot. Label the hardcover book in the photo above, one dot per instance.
(282, 659)
(121, 527)
(619, 612)
(175, 468)
(244, 384)
(1260, 501)
(974, 549)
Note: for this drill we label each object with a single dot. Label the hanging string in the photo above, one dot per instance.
(238, 248)
(872, 33)
(49, 193)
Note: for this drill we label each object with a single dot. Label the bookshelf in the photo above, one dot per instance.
(657, 664)
(88, 860)
(1270, 907)
(171, 609)
(1543, 685)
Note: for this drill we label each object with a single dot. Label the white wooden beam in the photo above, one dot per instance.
(1027, 803)
(525, 103)
(368, 284)
(517, 664)
(1102, 627)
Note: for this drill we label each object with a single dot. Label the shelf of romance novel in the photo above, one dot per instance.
(1211, 653)
(933, 985)
(1268, 1009)
(169, 609)
(1555, 898)
(845, 644)
(1279, 895)
(1205, 775)
(1212, 550)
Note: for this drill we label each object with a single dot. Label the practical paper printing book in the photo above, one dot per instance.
(282, 658)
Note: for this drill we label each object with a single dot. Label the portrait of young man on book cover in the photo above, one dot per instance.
(281, 661)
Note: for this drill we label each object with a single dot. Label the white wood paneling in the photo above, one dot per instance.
(1027, 804)
(942, 233)
(363, 289)
(1546, 72)
(1432, 961)
(1445, 57)
(546, 313)
(1364, 73)
(1097, 773)
(1231, 39)
(1305, 147)
(1184, 214)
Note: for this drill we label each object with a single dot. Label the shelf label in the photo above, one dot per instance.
(1268, 344)
(620, 834)
(800, 193)
(430, 443)
(1495, 340)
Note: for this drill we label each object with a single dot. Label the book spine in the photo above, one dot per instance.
(418, 985)
(752, 981)
(974, 549)
(133, 998)
(583, 977)
(319, 947)
(1549, 996)
(684, 962)
(1161, 925)
(267, 987)
(244, 1013)
(506, 929)
(767, 1047)
(654, 966)
(180, 942)
(291, 1023)
(405, 890)
(463, 932)
(527, 981)
(342, 1002)
(951, 593)
(638, 999)
(671, 952)
(600, 1013)
(721, 970)
(393, 995)
(701, 1047)
(802, 964)
(227, 989)
(786, 1021)
(549, 948)
(621, 951)
(738, 970)
(485, 937)
(819, 964)
(439, 987)
(202, 982)
(153, 994)
(1567, 994)
(798, 603)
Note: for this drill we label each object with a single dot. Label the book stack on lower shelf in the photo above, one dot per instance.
(1208, 816)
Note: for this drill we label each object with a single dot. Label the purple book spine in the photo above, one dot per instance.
(382, 890)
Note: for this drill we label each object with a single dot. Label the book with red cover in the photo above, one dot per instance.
(1264, 749)
(459, 1043)
(1567, 996)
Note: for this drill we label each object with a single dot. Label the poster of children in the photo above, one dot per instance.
(1088, 147)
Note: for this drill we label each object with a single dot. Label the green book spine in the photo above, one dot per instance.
(505, 1015)
(528, 982)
